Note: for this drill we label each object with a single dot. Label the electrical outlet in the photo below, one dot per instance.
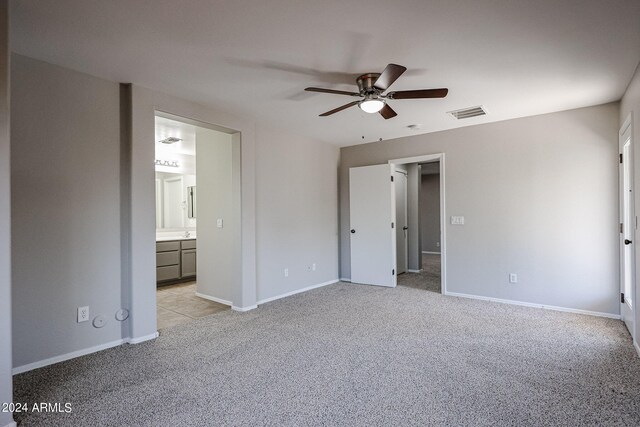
(286, 272)
(513, 278)
(83, 314)
(313, 266)
(437, 244)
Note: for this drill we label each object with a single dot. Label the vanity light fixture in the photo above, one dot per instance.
(168, 163)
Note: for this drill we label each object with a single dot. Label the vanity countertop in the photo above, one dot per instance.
(173, 238)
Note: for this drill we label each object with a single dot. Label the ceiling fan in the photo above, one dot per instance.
(371, 87)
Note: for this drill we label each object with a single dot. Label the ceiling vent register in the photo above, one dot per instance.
(466, 113)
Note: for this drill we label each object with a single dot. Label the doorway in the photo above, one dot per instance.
(386, 226)
(421, 231)
(627, 227)
(193, 160)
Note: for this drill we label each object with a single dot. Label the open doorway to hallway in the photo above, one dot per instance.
(426, 273)
(194, 211)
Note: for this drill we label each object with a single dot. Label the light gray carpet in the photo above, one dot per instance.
(356, 355)
(428, 279)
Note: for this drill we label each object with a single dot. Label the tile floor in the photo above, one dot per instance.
(178, 304)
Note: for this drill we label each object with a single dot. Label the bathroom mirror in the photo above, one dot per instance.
(175, 201)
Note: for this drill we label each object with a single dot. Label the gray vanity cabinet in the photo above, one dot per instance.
(175, 260)
(188, 258)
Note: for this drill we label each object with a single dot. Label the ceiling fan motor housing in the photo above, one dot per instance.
(365, 83)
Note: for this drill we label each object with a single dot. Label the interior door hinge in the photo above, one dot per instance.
(620, 157)
(622, 298)
(621, 228)
(392, 176)
(393, 272)
(391, 225)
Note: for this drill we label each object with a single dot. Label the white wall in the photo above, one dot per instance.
(6, 388)
(539, 196)
(430, 212)
(218, 248)
(630, 104)
(297, 205)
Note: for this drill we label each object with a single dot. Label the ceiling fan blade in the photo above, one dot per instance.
(387, 112)
(388, 76)
(335, 110)
(417, 94)
(335, 92)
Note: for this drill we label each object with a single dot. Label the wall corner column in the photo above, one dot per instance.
(6, 381)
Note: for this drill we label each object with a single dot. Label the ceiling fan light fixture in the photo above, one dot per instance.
(371, 105)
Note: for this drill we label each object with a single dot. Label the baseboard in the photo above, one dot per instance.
(432, 253)
(243, 309)
(414, 271)
(298, 291)
(534, 305)
(11, 424)
(637, 347)
(214, 299)
(68, 356)
(142, 339)
(344, 279)
(83, 352)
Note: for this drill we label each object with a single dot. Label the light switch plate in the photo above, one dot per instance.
(219, 223)
(457, 220)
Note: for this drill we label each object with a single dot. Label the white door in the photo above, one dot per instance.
(401, 218)
(628, 225)
(372, 222)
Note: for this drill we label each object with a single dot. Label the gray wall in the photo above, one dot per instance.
(297, 205)
(539, 196)
(413, 215)
(430, 212)
(630, 104)
(65, 180)
(6, 389)
(72, 175)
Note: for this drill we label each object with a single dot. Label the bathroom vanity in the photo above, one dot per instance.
(175, 260)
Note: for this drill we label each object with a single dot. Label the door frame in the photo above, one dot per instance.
(443, 229)
(139, 107)
(628, 126)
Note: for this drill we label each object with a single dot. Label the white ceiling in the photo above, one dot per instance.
(255, 57)
(166, 128)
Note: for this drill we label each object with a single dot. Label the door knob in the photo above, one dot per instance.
(353, 231)
(405, 228)
(627, 242)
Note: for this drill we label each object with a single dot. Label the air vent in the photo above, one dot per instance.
(170, 140)
(466, 113)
